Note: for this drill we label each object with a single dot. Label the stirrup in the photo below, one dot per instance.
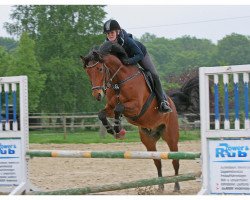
(164, 107)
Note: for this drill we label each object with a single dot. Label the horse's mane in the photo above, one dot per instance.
(113, 49)
(106, 48)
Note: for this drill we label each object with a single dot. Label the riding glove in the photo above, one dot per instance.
(126, 61)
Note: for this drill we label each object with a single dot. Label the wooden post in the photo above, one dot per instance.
(64, 127)
(102, 130)
(120, 186)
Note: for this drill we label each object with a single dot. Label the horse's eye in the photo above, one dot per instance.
(100, 69)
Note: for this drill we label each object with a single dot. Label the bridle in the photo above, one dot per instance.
(107, 81)
(105, 70)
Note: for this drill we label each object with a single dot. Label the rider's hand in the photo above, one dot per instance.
(126, 61)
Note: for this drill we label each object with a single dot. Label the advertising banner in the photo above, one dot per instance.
(229, 166)
(10, 162)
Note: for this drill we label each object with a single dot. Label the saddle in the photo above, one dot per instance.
(150, 83)
(148, 78)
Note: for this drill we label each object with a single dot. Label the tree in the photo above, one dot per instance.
(8, 43)
(25, 63)
(234, 49)
(5, 60)
(175, 56)
(147, 37)
(62, 34)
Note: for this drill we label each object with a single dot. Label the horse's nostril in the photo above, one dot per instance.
(99, 97)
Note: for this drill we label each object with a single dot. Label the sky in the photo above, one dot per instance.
(211, 22)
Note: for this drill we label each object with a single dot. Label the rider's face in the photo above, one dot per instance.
(112, 35)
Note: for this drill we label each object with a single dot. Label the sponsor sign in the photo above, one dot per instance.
(10, 162)
(229, 166)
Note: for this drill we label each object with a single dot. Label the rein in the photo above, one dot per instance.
(116, 87)
(109, 84)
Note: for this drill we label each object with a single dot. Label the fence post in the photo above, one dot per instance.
(64, 127)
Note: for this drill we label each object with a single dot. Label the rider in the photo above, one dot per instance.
(137, 53)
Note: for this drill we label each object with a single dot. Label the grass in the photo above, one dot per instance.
(87, 137)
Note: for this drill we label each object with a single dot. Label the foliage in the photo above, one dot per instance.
(52, 37)
(62, 34)
(234, 49)
(5, 59)
(8, 43)
(25, 63)
(175, 56)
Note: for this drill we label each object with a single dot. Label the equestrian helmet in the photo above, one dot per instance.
(111, 25)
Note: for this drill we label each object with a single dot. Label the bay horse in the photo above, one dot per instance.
(127, 93)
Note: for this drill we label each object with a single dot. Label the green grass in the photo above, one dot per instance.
(87, 137)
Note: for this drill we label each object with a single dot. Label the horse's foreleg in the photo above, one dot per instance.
(118, 112)
(103, 117)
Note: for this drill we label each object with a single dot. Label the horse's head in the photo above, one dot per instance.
(94, 67)
(99, 65)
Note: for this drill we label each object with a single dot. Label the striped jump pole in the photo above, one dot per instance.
(1, 125)
(120, 186)
(6, 90)
(114, 154)
(246, 99)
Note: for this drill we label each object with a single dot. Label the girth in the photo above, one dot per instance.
(116, 88)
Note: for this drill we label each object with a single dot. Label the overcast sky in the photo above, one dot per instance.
(202, 21)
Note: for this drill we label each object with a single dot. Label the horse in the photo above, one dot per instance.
(127, 93)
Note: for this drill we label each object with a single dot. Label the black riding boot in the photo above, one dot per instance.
(161, 97)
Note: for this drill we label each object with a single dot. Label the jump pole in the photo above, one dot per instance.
(114, 154)
(120, 186)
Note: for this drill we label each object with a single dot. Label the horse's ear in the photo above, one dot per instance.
(97, 56)
(82, 58)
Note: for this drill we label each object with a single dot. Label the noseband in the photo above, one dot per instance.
(106, 71)
(103, 87)
(107, 81)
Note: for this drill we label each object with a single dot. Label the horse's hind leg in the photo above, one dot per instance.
(171, 136)
(150, 144)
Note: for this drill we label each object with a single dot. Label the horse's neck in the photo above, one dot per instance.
(124, 72)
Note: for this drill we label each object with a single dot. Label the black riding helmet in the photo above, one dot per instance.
(111, 25)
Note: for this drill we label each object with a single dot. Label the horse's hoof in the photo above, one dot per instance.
(177, 187)
(160, 188)
(122, 132)
(120, 135)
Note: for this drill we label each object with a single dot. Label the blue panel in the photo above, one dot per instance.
(216, 102)
(0, 106)
(226, 108)
(7, 106)
(246, 100)
(14, 106)
(236, 100)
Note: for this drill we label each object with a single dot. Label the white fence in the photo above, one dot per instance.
(14, 137)
(225, 146)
